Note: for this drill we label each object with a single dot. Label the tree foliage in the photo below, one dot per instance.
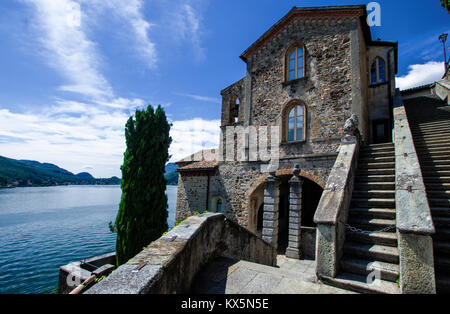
(446, 4)
(142, 216)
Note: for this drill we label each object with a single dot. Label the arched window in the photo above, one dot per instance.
(295, 126)
(234, 110)
(378, 71)
(295, 63)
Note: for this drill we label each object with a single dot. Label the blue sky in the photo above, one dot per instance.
(72, 71)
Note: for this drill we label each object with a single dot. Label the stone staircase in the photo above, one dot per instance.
(429, 120)
(372, 209)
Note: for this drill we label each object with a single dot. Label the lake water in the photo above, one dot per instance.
(42, 228)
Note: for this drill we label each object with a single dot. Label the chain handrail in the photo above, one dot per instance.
(356, 230)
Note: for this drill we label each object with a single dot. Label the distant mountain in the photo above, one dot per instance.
(171, 173)
(32, 173)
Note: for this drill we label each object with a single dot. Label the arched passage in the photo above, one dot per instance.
(311, 194)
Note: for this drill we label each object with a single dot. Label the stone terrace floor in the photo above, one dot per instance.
(228, 276)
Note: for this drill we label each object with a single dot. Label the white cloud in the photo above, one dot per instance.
(421, 74)
(191, 136)
(185, 20)
(201, 98)
(130, 14)
(60, 28)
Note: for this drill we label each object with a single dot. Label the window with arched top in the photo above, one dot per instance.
(295, 63)
(234, 110)
(378, 71)
(295, 123)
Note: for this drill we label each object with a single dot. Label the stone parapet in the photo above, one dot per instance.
(414, 221)
(332, 212)
(170, 264)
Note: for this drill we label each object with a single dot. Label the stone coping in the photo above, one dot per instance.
(170, 264)
(412, 208)
(339, 186)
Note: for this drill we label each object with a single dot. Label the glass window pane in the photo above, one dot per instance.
(373, 74)
(291, 128)
(299, 134)
(292, 55)
(381, 70)
(292, 75)
(292, 113)
(291, 64)
(219, 206)
(300, 72)
(300, 52)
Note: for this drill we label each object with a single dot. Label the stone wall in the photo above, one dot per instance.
(170, 264)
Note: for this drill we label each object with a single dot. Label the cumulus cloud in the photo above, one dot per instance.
(421, 74)
(191, 136)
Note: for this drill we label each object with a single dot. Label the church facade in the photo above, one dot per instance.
(305, 76)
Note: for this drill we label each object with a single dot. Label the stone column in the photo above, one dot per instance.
(271, 210)
(295, 215)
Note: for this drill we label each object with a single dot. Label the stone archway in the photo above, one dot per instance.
(288, 233)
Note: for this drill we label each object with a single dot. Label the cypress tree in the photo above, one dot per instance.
(142, 216)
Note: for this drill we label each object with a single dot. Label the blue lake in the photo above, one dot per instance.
(42, 228)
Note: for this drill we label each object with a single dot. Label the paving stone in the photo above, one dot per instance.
(262, 284)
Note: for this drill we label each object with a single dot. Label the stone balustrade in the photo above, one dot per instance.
(413, 215)
(170, 264)
(332, 212)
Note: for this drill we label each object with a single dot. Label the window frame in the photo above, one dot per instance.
(286, 119)
(287, 69)
(376, 62)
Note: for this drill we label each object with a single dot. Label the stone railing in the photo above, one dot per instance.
(442, 90)
(170, 264)
(414, 221)
(332, 211)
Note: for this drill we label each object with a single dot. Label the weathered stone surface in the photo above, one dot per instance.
(169, 264)
(416, 264)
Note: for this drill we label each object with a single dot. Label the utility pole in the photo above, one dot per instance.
(443, 39)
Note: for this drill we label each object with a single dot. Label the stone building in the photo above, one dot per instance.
(305, 76)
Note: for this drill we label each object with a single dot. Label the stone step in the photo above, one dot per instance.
(442, 262)
(430, 130)
(436, 180)
(427, 158)
(376, 153)
(426, 140)
(438, 173)
(381, 145)
(435, 162)
(367, 159)
(440, 211)
(443, 284)
(375, 178)
(370, 150)
(373, 202)
(372, 212)
(433, 145)
(376, 165)
(373, 193)
(433, 153)
(441, 247)
(375, 185)
(435, 168)
(375, 171)
(377, 252)
(365, 267)
(371, 224)
(358, 283)
(439, 202)
(442, 234)
(380, 238)
(438, 193)
(441, 221)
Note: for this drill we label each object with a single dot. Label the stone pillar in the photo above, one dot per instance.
(271, 210)
(295, 215)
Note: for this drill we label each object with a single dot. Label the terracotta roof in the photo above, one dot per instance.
(199, 165)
